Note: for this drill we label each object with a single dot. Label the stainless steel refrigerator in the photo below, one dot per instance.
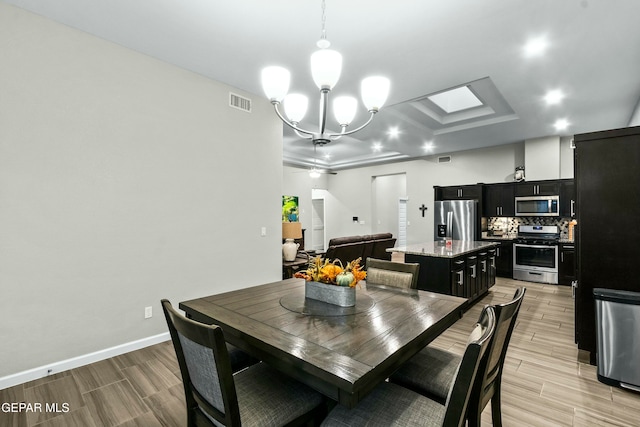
(456, 219)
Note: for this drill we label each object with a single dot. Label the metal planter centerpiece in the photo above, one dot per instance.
(343, 296)
(332, 283)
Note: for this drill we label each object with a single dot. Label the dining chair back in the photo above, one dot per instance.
(255, 396)
(391, 405)
(432, 371)
(488, 386)
(389, 273)
(468, 370)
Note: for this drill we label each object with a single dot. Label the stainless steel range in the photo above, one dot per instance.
(535, 253)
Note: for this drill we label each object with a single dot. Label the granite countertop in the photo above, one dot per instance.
(566, 241)
(438, 248)
(503, 237)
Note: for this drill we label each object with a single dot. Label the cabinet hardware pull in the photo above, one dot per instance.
(573, 208)
(484, 266)
(473, 271)
(461, 281)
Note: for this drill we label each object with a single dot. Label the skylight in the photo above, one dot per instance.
(454, 100)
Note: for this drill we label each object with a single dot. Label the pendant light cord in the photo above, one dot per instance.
(323, 21)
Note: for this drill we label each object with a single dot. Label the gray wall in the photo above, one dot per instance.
(123, 180)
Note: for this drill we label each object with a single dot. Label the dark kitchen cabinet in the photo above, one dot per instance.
(537, 188)
(567, 198)
(491, 261)
(567, 264)
(608, 201)
(483, 272)
(459, 280)
(458, 192)
(504, 259)
(472, 275)
(498, 200)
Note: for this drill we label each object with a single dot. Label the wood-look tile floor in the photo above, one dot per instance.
(546, 380)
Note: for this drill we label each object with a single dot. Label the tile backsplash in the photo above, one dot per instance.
(510, 225)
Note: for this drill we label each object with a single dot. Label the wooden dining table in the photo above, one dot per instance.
(341, 352)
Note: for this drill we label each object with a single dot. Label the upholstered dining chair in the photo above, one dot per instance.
(389, 273)
(432, 371)
(393, 405)
(256, 396)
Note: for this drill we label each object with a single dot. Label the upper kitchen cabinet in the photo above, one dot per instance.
(538, 188)
(458, 192)
(498, 200)
(567, 198)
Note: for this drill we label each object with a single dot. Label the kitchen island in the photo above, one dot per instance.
(465, 269)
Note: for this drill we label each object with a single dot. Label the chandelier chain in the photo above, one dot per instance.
(323, 21)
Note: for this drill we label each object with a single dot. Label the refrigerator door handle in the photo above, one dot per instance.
(449, 224)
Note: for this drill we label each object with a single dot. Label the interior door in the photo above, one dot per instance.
(402, 222)
(317, 224)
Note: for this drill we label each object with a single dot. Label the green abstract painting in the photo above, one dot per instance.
(290, 209)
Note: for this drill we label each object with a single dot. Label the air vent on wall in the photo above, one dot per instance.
(239, 102)
(444, 159)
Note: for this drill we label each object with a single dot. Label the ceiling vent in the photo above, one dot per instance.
(444, 159)
(239, 102)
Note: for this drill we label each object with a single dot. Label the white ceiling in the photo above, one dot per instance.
(424, 47)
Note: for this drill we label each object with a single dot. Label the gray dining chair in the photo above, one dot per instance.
(389, 273)
(393, 405)
(432, 371)
(256, 396)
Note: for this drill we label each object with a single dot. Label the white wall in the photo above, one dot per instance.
(123, 180)
(542, 158)
(566, 157)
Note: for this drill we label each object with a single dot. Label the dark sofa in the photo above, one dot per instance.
(370, 246)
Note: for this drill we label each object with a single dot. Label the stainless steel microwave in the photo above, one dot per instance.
(538, 206)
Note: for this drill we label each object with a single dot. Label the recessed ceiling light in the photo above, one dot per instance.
(393, 132)
(377, 147)
(454, 100)
(536, 46)
(561, 124)
(428, 146)
(554, 97)
(327, 156)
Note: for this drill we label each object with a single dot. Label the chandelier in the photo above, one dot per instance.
(326, 65)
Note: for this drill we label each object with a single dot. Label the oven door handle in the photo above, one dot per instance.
(520, 245)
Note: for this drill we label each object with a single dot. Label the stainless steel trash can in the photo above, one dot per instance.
(618, 337)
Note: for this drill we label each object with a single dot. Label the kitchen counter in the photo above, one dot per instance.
(466, 269)
(504, 237)
(438, 248)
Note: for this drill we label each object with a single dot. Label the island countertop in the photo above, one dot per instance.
(438, 248)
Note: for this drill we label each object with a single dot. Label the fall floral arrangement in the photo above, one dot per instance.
(334, 273)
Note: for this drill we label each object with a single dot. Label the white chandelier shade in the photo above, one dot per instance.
(275, 82)
(295, 106)
(326, 66)
(344, 108)
(375, 91)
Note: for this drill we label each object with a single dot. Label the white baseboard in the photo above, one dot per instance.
(75, 362)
